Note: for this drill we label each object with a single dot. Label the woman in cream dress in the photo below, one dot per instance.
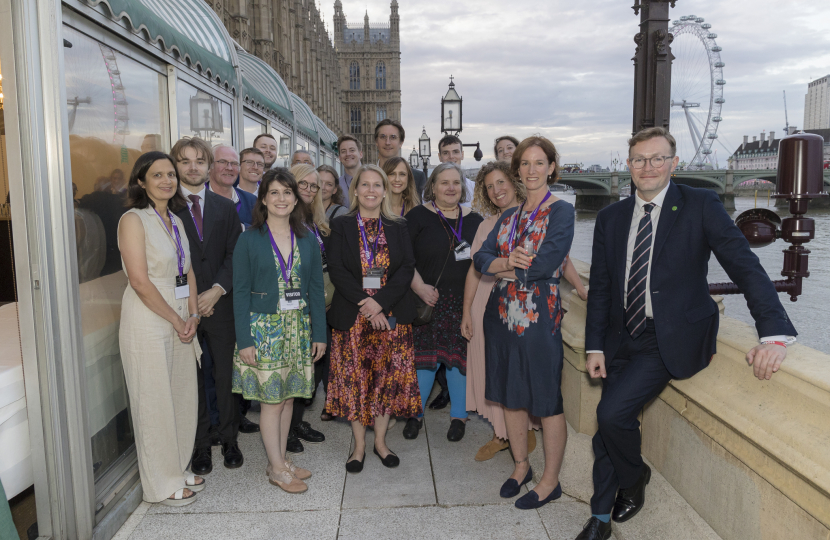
(158, 351)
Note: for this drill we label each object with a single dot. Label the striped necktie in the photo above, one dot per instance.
(635, 313)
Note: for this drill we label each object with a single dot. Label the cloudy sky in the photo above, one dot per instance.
(563, 68)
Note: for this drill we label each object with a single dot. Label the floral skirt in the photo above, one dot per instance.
(284, 368)
(372, 373)
(440, 341)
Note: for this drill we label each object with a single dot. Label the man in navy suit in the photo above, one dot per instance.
(650, 317)
(223, 176)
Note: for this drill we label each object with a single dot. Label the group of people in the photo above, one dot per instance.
(250, 283)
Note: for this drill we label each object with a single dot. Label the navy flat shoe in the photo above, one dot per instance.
(511, 488)
(531, 500)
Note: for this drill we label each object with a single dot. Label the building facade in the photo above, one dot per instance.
(291, 37)
(817, 104)
(762, 153)
(370, 70)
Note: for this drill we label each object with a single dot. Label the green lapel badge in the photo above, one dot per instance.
(674, 208)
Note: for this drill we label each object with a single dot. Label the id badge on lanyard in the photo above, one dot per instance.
(182, 289)
(290, 299)
(291, 295)
(462, 251)
(372, 278)
(374, 274)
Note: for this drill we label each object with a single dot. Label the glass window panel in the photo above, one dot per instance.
(284, 146)
(116, 109)
(313, 151)
(252, 129)
(203, 115)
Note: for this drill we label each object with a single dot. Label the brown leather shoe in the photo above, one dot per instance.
(489, 450)
(287, 482)
(531, 440)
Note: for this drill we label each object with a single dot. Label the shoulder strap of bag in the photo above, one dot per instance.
(443, 267)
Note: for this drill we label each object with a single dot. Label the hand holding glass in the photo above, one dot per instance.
(528, 246)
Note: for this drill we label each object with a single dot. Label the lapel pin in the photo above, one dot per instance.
(674, 208)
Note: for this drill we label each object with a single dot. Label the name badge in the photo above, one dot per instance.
(462, 251)
(372, 278)
(182, 289)
(290, 300)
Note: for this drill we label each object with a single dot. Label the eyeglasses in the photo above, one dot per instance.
(656, 161)
(384, 138)
(226, 163)
(254, 164)
(305, 185)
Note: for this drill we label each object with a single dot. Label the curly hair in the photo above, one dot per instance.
(481, 202)
(546, 146)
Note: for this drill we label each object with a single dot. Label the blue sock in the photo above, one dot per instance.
(605, 518)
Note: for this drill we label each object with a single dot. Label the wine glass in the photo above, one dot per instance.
(529, 247)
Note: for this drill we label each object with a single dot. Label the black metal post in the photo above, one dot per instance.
(652, 65)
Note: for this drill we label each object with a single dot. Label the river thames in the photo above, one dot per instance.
(810, 314)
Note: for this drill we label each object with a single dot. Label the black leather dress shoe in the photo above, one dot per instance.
(631, 500)
(456, 431)
(246, 426)
(293, 446)
(215, 440)
(412, 427)
(233, 456)
(440, 402)
(595, 529)
(305, 432)
(202, 463)
(391, 460)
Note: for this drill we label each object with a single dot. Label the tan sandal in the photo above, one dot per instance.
(287, 482)
(178, 499)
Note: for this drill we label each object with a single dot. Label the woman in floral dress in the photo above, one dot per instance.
(372, 374)
(522, 319)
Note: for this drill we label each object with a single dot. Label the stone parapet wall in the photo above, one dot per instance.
(751, 457)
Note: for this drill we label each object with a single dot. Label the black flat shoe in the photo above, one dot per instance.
(246, 426)
(511, 487)
(631, 500)
(202, 463)
(233, 456)
(412, 427)
(354, 466)
(594, 529)
(391, 460)
(304, 432)
(294, 446)
(456, 431)
(441, 401)
(530, 501)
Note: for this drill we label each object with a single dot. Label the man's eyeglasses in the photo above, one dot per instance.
(656, 161)
(384, 138)
(254, 164)
(226, 163)
(305, 185)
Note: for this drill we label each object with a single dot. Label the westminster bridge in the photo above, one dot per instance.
(595, 191)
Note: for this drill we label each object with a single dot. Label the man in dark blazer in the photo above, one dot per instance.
(212, 227)
(650, 317)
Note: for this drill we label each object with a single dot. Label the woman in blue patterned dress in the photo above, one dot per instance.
(523, 342)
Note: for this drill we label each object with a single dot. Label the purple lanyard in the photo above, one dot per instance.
(530, 220)
(316, 232)
(180, 258)
(238, 205)
(284, 268)
(403, 207)
(456, 233)
(370, 255)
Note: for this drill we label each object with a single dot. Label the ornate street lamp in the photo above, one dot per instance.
(451, 110)
(413, 159)
(424, 150)
(205, 116)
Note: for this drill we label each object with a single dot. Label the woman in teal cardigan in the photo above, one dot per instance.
(280, 317)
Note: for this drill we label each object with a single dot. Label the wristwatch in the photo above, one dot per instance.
(198, 317)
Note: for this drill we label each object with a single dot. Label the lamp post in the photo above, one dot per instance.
(451, 117)
(424, 150)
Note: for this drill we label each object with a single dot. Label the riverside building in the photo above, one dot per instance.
(817, 104)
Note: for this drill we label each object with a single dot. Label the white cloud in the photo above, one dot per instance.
(563, 68)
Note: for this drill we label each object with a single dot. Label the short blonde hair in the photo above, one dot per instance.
(481, 202)
(318, 213)
(385, 208)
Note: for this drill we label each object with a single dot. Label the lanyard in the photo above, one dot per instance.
(180, 259)
(530, 220)
(316, 232)
(455, 231)
(284, 268)
(403, 207)
(370, 255)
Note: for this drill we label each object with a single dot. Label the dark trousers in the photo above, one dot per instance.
(635, 376)
(219, 339)
(210, 385)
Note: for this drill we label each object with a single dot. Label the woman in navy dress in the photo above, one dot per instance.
(523, 342)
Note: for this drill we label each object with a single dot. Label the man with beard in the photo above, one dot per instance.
(212, 226)
(268, 145)
(350, 154)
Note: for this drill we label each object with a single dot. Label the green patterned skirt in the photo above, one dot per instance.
(284, 368)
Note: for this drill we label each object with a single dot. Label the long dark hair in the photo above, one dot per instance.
(137, 196)
(298, 217)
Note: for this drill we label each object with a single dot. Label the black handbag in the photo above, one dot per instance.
(423, 309)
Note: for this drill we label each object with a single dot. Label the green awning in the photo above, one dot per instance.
(263, 87)
(327, 136)
(187, 28)
(304, 118)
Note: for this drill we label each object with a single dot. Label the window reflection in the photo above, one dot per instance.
(117, 110)
(201, 115)
(252, 129)
(284, 146)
